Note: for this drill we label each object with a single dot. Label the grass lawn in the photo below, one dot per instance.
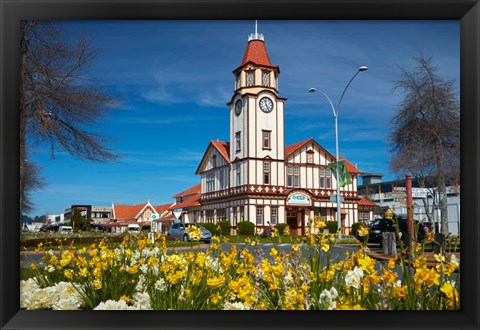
(171, 243)
(112, 245)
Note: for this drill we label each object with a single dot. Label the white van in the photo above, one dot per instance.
(65, 229)
(134, 228)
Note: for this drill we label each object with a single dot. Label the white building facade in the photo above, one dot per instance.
(255, 177)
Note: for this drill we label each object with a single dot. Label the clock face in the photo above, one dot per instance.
(238, 107)
(266, 104)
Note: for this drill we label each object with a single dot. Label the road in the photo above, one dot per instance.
(260, 251)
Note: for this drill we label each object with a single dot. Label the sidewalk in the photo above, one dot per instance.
(430, 256)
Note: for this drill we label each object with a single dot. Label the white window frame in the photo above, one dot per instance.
(266, 173)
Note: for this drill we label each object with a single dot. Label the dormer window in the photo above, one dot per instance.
(250, 78)
(266, 78)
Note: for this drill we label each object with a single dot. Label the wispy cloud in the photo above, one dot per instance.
(217, 98)
(159, 94)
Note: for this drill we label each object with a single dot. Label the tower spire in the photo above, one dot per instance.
(256, 35)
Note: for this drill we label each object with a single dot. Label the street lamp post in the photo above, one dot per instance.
(335, 115)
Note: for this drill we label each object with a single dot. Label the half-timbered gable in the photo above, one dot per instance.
(255, 177)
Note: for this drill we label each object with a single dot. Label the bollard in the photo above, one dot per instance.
(385, 243)
(392, 244)
(438, 245)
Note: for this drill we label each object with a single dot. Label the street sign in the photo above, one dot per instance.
(399, 189)
(154, 216)
(333, 199)
(419, 192)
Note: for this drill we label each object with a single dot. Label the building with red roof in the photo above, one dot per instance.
(254, 176)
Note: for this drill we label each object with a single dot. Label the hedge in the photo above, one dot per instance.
(332, 226)
(219, 228)
(355, 227)
(281, 228)
(224, 227)
(245, 228)
(210, 226)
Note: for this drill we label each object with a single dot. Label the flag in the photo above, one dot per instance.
(345, 178)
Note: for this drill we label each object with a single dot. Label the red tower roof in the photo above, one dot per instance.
(256, 53)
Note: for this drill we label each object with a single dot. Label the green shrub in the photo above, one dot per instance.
(245, 228)
(332, 226)
(224, 227)
(210, 226)
(355, 227)
(281, 228)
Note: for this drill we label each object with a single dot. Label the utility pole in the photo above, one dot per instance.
(411, 228)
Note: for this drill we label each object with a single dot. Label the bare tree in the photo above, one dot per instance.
(425, 135)
(58, 103)
(32, 180)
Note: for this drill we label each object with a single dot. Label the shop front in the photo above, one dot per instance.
(298, 210)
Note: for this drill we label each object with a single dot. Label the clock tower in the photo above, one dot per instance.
(257, 119)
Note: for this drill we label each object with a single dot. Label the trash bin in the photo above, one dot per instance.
(389, 243)
(385, 242)
(438, 245)
(392, 244)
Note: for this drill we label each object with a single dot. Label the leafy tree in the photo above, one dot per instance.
(425, 132)
(58, 102)
(79, 222)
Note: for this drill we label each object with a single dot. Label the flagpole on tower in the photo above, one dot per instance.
(256, 35)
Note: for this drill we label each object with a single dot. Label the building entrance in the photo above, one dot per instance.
(296, 222)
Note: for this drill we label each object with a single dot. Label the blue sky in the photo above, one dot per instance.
(172, 80)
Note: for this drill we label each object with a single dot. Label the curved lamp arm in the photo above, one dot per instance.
(313, 90)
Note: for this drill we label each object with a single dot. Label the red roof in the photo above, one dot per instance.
(350, 167)
(291, 148)
(189, 202)
(127, 211)
(162, 208)
(366, 202)
(256, 53)
(167, 216)
(189, 191)
(223, 148)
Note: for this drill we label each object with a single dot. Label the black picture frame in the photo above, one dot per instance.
(467, 11)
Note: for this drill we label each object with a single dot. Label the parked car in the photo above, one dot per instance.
(134, 228)
(178, 231)
(47, 228)
(378, 226)
(65, 229)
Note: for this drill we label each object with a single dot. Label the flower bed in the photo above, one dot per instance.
(142, 275)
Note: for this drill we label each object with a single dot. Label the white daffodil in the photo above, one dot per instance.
(354, 277)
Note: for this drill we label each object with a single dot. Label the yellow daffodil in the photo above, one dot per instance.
(363, 231)
(452, 295)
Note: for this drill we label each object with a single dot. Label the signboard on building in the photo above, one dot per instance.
(298, 199)
(419, 192)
